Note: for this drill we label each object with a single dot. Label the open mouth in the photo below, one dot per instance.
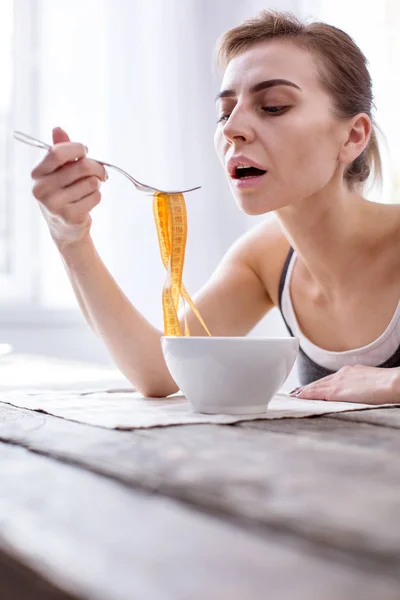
(247, 172)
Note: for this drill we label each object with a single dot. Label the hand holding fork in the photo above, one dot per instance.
(67, 185)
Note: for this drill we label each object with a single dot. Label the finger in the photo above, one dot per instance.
(66, 176)
(308, 389)
(84, 167)
(59, 135)
(72, 194)
(59, 155)
(295, 391)
(313, 393)
(77, 213)
(311, 386)
(78, 190)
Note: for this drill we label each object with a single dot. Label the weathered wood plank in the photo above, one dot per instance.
(386, 417)
(100, 540)
(336, 496)
(19, 582)
(333, 430)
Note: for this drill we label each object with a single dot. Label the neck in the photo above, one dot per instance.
(329, 232)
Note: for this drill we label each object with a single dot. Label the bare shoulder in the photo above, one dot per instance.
(382, 228)
(391, 232)
(241, 290)
(265, 249)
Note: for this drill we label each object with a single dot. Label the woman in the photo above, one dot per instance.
(295, 136)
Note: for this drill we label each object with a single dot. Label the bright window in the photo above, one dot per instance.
(17, 66)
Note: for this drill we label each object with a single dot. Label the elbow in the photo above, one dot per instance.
(151, 384)
(156, 390)
(151, 394)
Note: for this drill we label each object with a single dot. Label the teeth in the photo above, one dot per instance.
(243, 167)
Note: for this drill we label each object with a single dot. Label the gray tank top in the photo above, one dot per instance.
(383, 352)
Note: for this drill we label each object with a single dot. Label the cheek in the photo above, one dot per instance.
(219, 144)
(310, 157)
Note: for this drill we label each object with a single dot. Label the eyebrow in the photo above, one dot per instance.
(258, 87)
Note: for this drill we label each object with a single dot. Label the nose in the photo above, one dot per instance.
(238, 127)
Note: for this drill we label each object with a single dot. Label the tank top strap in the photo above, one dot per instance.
(283, 276)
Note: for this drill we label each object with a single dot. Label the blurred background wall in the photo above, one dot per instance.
(135, 81)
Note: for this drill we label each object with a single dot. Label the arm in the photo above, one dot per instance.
(67, 188)
(231, 303)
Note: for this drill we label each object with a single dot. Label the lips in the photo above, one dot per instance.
(241, 167)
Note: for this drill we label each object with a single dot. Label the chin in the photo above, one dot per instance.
(256, 204)
(253, 210)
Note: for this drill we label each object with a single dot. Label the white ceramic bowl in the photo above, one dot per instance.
(232, 375)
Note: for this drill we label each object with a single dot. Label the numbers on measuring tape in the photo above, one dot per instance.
(171, 224)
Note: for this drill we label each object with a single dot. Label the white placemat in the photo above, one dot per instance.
(119, 409)
(100, 395)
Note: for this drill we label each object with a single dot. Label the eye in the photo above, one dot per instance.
(223, 118)
(274, 110)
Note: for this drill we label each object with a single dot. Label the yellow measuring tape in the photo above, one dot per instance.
(171, 223)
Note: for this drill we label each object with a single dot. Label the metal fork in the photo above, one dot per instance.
(142, 187)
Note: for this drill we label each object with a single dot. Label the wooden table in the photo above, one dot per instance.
(296, 509)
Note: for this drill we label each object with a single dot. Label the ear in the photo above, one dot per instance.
(358, 132)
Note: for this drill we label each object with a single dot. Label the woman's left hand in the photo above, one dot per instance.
(358, 383)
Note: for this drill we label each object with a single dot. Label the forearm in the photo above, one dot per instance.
(132, 341)
(394, 385)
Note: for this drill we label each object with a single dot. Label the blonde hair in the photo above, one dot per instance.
(342, 69)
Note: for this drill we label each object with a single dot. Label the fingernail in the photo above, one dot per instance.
(87, 149)
(105, 175)
(296, 390)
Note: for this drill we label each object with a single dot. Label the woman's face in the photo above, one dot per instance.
(286, 129)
